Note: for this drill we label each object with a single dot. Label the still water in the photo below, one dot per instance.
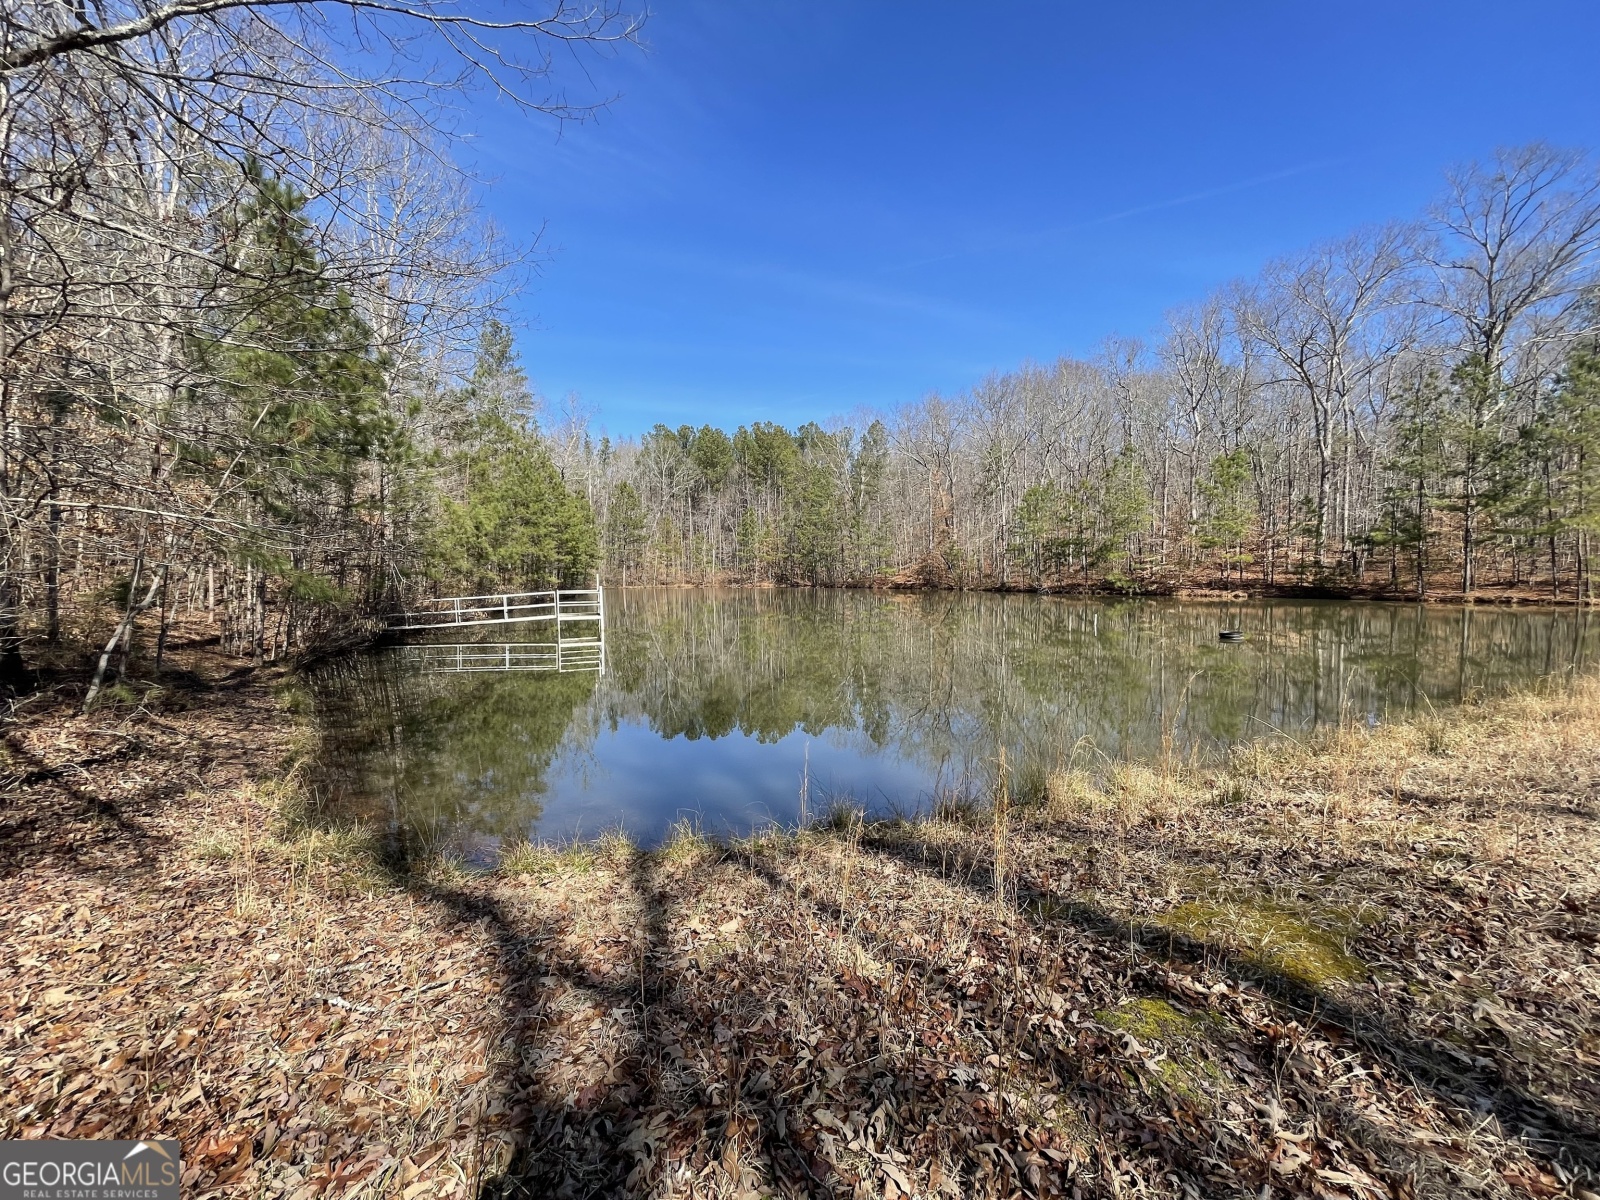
(723, 707)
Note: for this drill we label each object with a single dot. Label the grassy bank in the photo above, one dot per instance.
(1365, 966)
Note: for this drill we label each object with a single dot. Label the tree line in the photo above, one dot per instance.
(251, 371)
(1410, 408)
(249, 360)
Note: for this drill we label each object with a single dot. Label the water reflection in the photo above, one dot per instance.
(717, 705)
(570, 654)
(437, 758)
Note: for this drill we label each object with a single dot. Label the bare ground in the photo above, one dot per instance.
(1364, 967)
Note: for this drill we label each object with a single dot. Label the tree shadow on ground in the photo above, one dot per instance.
(698, 1103)
(67, 811)
(64, 820)
(1471, 1085)
(597, 1142)
(711, 1100)
(717, 1089)
(1143, 1117)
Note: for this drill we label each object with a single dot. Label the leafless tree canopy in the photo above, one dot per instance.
(248, 365)
(1402, 408)
(239, 278)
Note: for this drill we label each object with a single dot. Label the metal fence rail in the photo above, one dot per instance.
(570, 654)
(560, 606)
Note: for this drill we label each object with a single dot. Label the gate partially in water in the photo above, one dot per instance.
(555, 610)
(569, 654)
(559, 607)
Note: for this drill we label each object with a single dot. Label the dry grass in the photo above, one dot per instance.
(176, 962)
(1364, 966)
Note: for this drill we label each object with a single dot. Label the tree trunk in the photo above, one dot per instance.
(258, 635)
(124, 630)
(161, 635)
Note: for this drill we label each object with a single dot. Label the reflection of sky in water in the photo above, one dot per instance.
(634, 779)
(714, 704)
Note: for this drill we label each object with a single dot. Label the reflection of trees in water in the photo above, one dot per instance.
(939, 680)
(434, 753)
(942, 678)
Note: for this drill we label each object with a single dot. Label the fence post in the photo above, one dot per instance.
(600, 615)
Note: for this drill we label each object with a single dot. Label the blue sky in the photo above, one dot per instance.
(798, 208)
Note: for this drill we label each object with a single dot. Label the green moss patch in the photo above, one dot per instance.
(1148, 1019)
(1182, 1071)
(1277, 938)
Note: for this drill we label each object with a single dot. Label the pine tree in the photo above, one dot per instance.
(292, 371)
(1127, 512)
(1417, 468)
(1226, 519)
(1037, 531)
(869, 536)
(1472, 436)
(819, 515)
(627, 533)
(1572, 433)
(514, 524)
(750, 544)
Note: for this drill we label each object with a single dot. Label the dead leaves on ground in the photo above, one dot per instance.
(828, 1015)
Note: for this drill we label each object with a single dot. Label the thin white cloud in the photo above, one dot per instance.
(775, 278)
(1035, 237)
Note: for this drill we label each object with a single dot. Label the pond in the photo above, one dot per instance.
(737, 709)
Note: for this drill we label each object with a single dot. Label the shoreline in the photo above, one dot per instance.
(1368, 965)
(1485, 598)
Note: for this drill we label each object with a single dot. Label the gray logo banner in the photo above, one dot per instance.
(89, 1170)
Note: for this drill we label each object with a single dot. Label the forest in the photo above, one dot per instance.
(250, 364)
(253, 366)
(1411, 409)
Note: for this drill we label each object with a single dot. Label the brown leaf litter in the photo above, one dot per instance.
(1368, 967)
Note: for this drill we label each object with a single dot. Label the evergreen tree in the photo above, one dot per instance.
(1469, 421)
(711, 451)
(1571, 431)
(1127, 512)
(750, 543)
(1226, 519)
(519, 527)
(819, 508)
(514, 524)
(1036, 544)
(869, 466)
(301, 388)
(1417, 468)
(627, 533)
(768, 454)
(499, 391)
